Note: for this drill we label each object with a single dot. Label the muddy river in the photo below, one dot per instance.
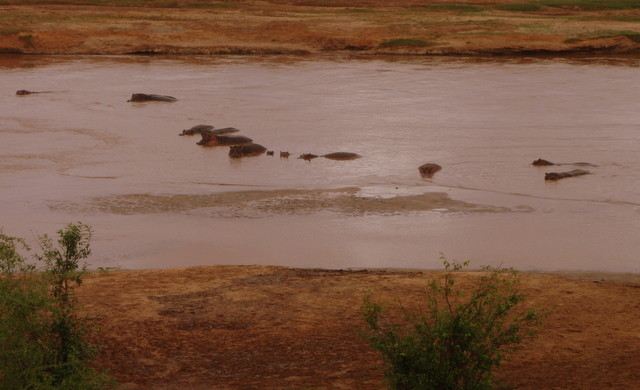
(155, 199)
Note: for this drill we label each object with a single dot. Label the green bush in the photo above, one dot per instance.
(43, 340)
(458, 338)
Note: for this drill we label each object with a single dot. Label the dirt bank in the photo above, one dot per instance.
(315, 26)
(259, 327)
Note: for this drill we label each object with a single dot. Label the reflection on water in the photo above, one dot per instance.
(156, 199)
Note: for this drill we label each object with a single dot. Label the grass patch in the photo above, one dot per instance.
(583, 5)
(634, 36)
(450, 7)
(593, 5)
(633, 19)
(220, 4)
(9, 31)
(534, 27)
(405, 42)
(519, 7)
(363, 10)
(613, 33)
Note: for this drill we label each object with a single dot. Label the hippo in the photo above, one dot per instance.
(22, 92)
(541, 163)
(270, 153)
(429, 169)
(246, 150)
(199, 129)
(308, 156)
(342, 156)
(284, 154)
(144, 97)
(209, 138)
(554, 176)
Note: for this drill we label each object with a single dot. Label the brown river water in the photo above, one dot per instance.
(157, 200)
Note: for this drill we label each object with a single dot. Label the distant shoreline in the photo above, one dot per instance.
(290, 27)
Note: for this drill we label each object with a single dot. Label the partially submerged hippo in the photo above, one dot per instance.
(308, 156)
(429, 169)
(331, 156)
(144, 97)
(553, 176)
(209, 138)
(541, 163)
(342, 156)
(199, 129)
(285, 154)
(22, 92)
(246, 150)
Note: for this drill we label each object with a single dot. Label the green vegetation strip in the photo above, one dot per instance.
(450, 7)
(407, 42)
(584, 5)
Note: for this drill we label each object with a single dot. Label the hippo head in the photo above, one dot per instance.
(208, 139)
(540, 163)
(552, 176)
(308, 156)
(236, 151)
(429, 169)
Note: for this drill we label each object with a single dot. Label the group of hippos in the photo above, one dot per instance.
(242, 146)
(239, 145)
(555, 176)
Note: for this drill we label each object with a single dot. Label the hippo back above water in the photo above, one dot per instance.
(145, 97)
(22, 92)
(543, 163)
(342, 156)
(246, 150)
(199, 129)
(555, 176)
(209, 138)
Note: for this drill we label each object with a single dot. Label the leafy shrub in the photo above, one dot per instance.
(43, 341)
(458, 338)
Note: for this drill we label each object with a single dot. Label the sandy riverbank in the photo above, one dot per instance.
(316, 26)
(260, 327)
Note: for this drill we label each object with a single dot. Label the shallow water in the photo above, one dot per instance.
(154, 199)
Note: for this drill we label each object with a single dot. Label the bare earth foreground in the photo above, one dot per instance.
(261, 327)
